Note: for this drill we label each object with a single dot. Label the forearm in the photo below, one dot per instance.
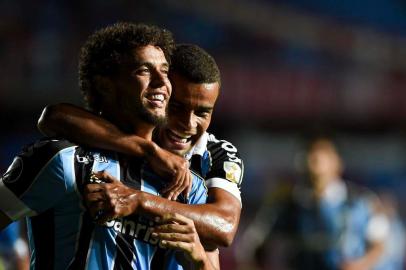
(91, 130)
(215, 222)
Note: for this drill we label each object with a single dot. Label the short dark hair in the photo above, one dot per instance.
(110, 47)
(195, 64)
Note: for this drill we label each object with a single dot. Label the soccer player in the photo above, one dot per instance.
(196, 82)
(123, 74)
(323, 222)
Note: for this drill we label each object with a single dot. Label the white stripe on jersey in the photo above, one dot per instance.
(226, 185)
(11, 205)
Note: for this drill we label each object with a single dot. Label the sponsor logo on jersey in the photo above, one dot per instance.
(14, 171)
(231, 151)
(90, 158)
(137, 227)
(233, 171)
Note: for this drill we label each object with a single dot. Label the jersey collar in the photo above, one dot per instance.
(199, 148)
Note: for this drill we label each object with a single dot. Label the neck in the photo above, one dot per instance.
(320, 183)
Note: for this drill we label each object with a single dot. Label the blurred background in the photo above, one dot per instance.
(289, 69)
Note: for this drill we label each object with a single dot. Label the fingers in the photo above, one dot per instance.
(170, 191)
(104, 176)
(184, 246)
(174, 218)
(183, 184)
(188, 184)
(177, 188)
(178, 232)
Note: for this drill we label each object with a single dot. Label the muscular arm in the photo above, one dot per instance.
(84, 127)
(79, 125)
(216, 221)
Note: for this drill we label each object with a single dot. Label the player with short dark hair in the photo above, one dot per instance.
(47, 181)
(195, 64)
(195, 90)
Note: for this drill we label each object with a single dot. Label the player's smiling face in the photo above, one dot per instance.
(142, 91)
(190, 110)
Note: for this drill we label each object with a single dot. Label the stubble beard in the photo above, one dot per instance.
(156, 120)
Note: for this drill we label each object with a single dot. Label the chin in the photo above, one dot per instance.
(153, 117)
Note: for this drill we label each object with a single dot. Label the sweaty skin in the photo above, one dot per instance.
(216, 221)
(178, 232)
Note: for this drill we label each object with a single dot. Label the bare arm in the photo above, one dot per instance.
(84, 127)
(216, 221)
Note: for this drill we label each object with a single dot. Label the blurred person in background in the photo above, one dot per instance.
(393, 257)
(321, 223)
(13, 248)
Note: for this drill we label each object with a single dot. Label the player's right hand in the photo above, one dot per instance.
(108, 198)
(174, 168)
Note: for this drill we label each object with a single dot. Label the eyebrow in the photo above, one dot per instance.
(205, 108)
(150, 64)
(201, 108)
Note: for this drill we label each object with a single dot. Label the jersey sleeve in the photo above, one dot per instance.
(226, 169)
(35, 180)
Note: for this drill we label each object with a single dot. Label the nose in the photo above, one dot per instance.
(158, 79)
(188, 122)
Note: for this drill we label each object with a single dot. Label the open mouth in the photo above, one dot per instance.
(157, 100)
(177, 138)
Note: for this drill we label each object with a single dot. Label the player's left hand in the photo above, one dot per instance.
(178, 232)
(109, 199)
(165, 163)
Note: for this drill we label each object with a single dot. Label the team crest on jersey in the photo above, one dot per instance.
(14, 171)
(233, 171)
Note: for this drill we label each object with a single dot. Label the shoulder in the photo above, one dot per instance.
(225, 160)
(220, 149)
(36, 158)
(44, 149)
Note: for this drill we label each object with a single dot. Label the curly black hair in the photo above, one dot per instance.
(195, 64)
(110, 47)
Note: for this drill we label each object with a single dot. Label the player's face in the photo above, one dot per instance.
(143, 91)
(190, 111)
(323, 163)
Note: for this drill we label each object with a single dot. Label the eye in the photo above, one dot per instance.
(142, 71)
(203, 114)
(165, 71)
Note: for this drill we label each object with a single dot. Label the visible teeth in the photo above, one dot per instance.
(180, 138)
(159, 97)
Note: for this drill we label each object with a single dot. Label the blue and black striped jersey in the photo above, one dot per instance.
(219, 163)
(45, 183)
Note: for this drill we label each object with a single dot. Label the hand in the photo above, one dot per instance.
(176, 168)
(110, 199)
(178, 232)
